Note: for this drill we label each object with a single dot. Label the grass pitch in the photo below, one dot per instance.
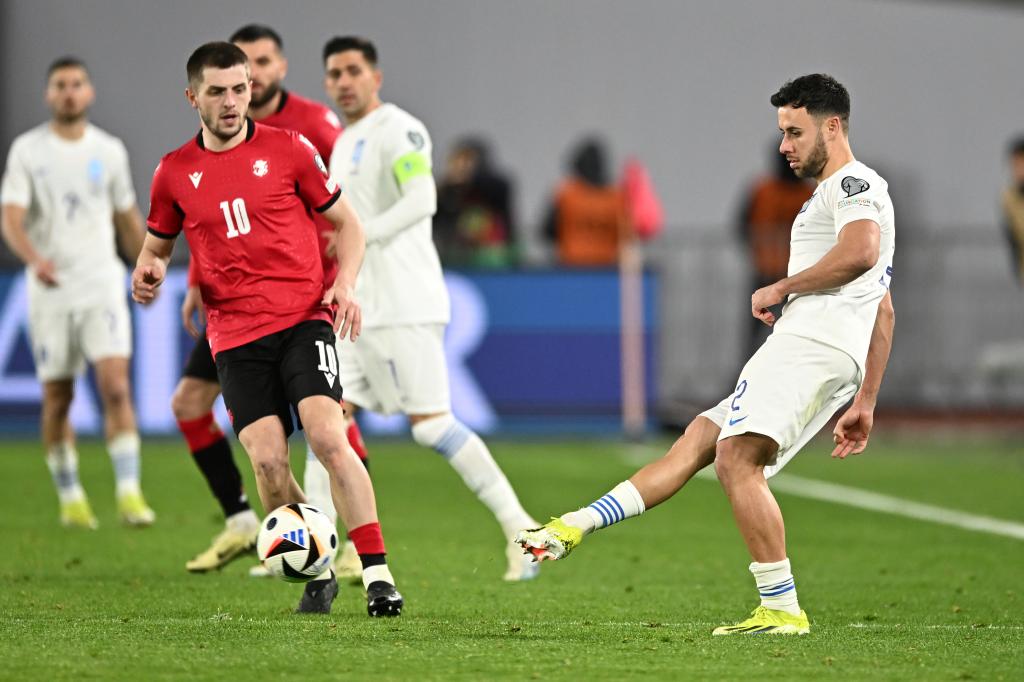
(889, 598)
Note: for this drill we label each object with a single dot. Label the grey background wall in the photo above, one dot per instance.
(683, 85)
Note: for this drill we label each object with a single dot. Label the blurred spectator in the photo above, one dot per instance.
(1013, 207)
(766, 220)
(587, 218)
(473, 225)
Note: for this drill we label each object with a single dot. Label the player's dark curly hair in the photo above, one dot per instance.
(820, 93)
(345, 43)
(219, 55)
(65, 62)
(250, 33)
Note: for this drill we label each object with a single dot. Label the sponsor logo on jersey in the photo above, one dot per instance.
(734, 422)
(260, 168)
(357, 154)
(416, 139)
(195, 178)
(95, 170)
(852, 185)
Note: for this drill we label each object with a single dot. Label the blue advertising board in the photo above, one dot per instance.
(535, 350)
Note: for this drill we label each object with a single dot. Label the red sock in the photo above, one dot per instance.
(200, 433)
(368, 539)
(355, 439)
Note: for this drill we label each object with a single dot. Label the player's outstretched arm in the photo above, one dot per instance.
(855, 252)
(151, 268)
(854, 427)
(418, 201)
(130, 232)
(350, 245)
(13, 227)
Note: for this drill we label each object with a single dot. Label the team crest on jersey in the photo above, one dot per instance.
(416, 139)
(852, 185)
(260, 168)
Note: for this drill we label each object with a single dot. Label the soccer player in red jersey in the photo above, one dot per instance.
(244, 194)
(198, 388)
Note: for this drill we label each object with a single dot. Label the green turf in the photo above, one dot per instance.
(889, 598)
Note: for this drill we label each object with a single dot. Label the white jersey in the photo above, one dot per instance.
(71, 189)
(400, 282)
(843, 317)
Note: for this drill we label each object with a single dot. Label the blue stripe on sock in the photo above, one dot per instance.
(609, 510)
(778, 592)
(622, 512)
(777, 585)
(452, 440)
(604, 516)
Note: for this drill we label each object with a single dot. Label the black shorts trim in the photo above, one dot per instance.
(330, 202)
(273, 374)
(200, 364)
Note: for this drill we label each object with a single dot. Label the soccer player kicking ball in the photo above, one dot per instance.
(243, 194)
(398, 365)
(830, 345)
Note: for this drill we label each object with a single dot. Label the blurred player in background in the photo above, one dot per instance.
(66, 193)
(244, 193)
(398, 365)
(198, 388)
(831, 344)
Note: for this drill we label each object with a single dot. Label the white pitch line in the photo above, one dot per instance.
(865, 499)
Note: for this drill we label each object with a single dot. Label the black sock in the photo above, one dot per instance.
(223, 476)
(373, 560)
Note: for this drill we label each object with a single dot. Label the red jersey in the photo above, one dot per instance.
(247, 215)
(320, 126)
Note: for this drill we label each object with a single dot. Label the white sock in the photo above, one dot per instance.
(776, 585)
(372, 574)
(62, 460)
(469, 456)
(124, 455)
(243, 522)
(620, 503)
(316, 483)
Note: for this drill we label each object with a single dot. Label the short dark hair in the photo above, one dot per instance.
(345, 43)
(1017, 146)
(65, 62)
(250, 33)
(821, 94)
(218, 54)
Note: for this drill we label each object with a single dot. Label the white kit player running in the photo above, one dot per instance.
(398, 365)
(831, 344)
(65, 192)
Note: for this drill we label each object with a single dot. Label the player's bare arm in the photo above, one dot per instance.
(193, 314)
(13, 224)
(350, 244)
(130, 232)
(855, 253)
(151, 268)
(854, 427)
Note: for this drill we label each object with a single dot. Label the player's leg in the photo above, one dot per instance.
(648, 487)
(309, 375)
(123, 443)
(192, 404)
(58, 360)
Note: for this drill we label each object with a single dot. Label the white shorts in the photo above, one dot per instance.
(62, 341)
(396, 369)
(788, 391)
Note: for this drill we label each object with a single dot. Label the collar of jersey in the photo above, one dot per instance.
(248, 135)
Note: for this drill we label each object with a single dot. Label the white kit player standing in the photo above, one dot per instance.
(65, 192)
(382, 159)
(831, 345)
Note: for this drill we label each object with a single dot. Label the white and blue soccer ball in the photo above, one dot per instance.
(297, 542)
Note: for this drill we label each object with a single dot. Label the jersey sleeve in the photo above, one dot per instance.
(857, 198)
(122, 190)
(165, 216)
(315, 184)
(16, 186)
(323, 131)
(408, 150)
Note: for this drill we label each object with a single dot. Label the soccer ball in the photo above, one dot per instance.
(297, 542)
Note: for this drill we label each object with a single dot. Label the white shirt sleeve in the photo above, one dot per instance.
(122, 190)
(857, 198)
(16, 186)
